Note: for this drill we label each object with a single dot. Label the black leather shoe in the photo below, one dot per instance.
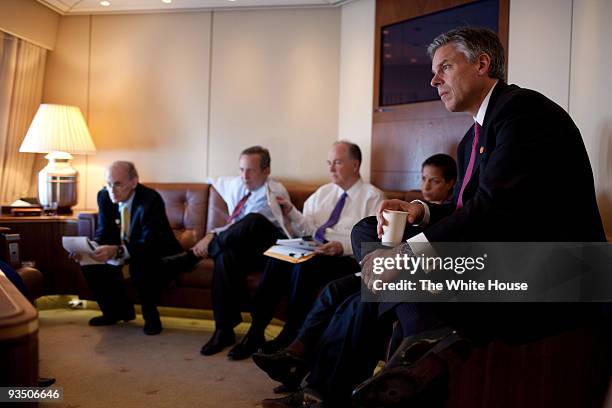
(219, 340)
(423, 382)
(281, 341)
(295, 400)
(183, 262)
(283, 367)
(45, 381)
(152, 327)
(245, 349)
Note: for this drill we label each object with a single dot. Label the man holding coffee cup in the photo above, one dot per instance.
(518, 139)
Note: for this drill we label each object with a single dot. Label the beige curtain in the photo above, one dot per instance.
(22, 69)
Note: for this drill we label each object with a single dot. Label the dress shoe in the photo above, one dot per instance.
(423, 382)
(414, 347)
(295, 400)
(183, 261)
(220, 339)
(282, 366)
(280, 342)
(245, 349)
(152, 327)
(109, 321)
(45, 381)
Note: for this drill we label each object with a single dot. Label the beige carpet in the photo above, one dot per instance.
(119, 366)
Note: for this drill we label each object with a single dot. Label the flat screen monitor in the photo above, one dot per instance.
(405, 73)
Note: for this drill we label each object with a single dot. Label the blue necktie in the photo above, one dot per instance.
(333, 220)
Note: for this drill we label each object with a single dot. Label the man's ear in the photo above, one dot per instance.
(134, 182)
(484, 64)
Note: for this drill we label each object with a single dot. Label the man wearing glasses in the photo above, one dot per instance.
(132, 229)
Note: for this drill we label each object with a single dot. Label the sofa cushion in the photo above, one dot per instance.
(199, 277)
(186, 208)
(217, 210)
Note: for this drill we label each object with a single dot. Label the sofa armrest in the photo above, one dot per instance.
(87, 222)
(33, 280)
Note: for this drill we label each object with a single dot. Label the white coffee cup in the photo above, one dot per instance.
(394, 230)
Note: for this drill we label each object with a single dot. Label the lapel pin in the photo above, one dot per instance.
(481, 149)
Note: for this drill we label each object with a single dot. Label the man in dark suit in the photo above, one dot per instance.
(521, 151)
(132, 229)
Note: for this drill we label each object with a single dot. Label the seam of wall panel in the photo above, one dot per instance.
(571, 43)
(208, 108)
(87, 101)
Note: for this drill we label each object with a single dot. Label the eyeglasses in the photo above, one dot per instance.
(115, 186)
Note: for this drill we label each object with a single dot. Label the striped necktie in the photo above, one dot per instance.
(238, 208)
(125, 223)
(470, 167)
(333, 219)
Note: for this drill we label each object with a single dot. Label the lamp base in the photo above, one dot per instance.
(57, 184)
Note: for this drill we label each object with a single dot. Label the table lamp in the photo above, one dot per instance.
(60, 131)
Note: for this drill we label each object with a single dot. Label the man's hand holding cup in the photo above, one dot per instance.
(390, 210)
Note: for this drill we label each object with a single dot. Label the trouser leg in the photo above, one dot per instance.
(236, 252)
(108, 286)
(149, 278)
(350, 348)
(321, 313)
(307, 279)
(272, 286)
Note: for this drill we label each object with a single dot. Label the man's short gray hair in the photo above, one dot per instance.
(264, 155)
(473, 42)
(354, 151)
(129, 166)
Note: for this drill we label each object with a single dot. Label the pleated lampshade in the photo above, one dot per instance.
(58, 128)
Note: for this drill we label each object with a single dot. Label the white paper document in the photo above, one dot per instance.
(276, 209)
(82, 246)
(298, 243)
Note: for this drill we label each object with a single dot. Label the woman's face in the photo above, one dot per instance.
(433, 185)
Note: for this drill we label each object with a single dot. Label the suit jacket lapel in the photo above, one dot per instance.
(485, 133)
(136, 208)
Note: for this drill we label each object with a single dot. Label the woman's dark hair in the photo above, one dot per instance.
(445, 163)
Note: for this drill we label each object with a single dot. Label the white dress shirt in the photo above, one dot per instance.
(232, 190)
(362, 201)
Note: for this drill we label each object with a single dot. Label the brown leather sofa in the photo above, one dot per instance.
(193, 209)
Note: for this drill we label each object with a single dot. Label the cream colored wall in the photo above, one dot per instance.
(590, 90)
(66, 82)
(274, 82)
(29, 20)
(539, 47)
(143, 81)
(149, 95)
(357, 76)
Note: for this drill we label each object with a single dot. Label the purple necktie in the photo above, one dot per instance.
(333, 219)
(470, 167)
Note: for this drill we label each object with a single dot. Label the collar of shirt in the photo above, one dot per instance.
(127, 203)
(352, 190)
(483, 106)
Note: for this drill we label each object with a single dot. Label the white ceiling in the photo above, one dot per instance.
(140, 6)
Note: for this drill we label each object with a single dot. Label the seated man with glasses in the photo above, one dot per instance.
(132, 229)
